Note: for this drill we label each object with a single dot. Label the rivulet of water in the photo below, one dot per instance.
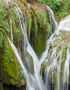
(52, 18)
(11, 31)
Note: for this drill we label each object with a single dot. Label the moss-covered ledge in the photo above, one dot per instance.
(9, 67)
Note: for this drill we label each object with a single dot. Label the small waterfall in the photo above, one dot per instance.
(36, 77)
(11, 31)
(65, 24)
(26, 74)
(53, 69)
(18, 57)
(66, 70)
(52, 18)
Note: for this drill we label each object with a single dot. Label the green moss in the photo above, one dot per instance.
(3, 11)
(4, 16)
(38, 27)
(1, 44)
(40, 30)
(16, 27)
(64, 51)
(31, 1)
(1, 39)
(42, 1)
(8, 59)
(55, 4)
(9, 67)
(9, 63)
(28, 21)
(60, 8)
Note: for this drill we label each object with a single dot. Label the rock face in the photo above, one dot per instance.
(39, 28)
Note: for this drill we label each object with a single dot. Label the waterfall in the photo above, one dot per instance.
(55, 23)
(53, 57)
(54, 67)
(22, 65)
(66, 70)
(52, 18)
(11, 31)
(65, 24)
(34, 81)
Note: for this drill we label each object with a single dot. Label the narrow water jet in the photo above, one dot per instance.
(52, 18)
(66, 70)
(11, 31)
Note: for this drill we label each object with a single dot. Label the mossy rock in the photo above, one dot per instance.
(61, 8)
(4, 22)
(31, 1)
(42, 1)
(9, 67)
(61, 42)
(40, 27)
(16, 27)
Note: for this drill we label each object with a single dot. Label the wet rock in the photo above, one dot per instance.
(13, 87)
(1, 86)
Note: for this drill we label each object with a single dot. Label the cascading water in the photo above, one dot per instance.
(11, 31)
(31, 51)
(66, 70)
(26, 74)
(53, 69)
(52, 18)
(65, 24)
(52, 56)
(36, 77)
